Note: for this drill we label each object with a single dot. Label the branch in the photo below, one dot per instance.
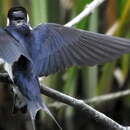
(89, 9)
(78, 104)
(108, 97)
(81, 106)
(96, 100)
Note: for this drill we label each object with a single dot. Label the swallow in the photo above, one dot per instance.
(30, 53)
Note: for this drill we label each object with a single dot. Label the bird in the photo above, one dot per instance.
(30, 53)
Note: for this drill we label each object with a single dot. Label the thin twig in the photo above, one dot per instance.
(108, 97)
(89, 9)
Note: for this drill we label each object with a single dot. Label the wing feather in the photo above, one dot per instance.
(62, 47)
(10, 49)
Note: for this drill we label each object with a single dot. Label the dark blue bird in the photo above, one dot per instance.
(46, 49)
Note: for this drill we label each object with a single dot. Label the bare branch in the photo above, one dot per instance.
(89, 9)
(98, 99)
(82, 107)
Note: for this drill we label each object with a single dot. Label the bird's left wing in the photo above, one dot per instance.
(10, 49)
(59, 47)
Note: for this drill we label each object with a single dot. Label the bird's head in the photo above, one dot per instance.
(17, 16)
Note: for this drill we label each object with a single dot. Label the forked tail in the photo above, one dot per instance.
(30, 88)
(35, 106)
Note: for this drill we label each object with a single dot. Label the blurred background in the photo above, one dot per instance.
(82, 83)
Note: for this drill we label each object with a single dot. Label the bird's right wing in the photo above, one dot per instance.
(10, 49)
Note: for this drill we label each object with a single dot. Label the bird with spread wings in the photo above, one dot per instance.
(47, 49)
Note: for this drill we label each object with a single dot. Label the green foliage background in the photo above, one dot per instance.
(83, 82)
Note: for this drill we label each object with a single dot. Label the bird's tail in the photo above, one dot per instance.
(30, 89)
(35, 106)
